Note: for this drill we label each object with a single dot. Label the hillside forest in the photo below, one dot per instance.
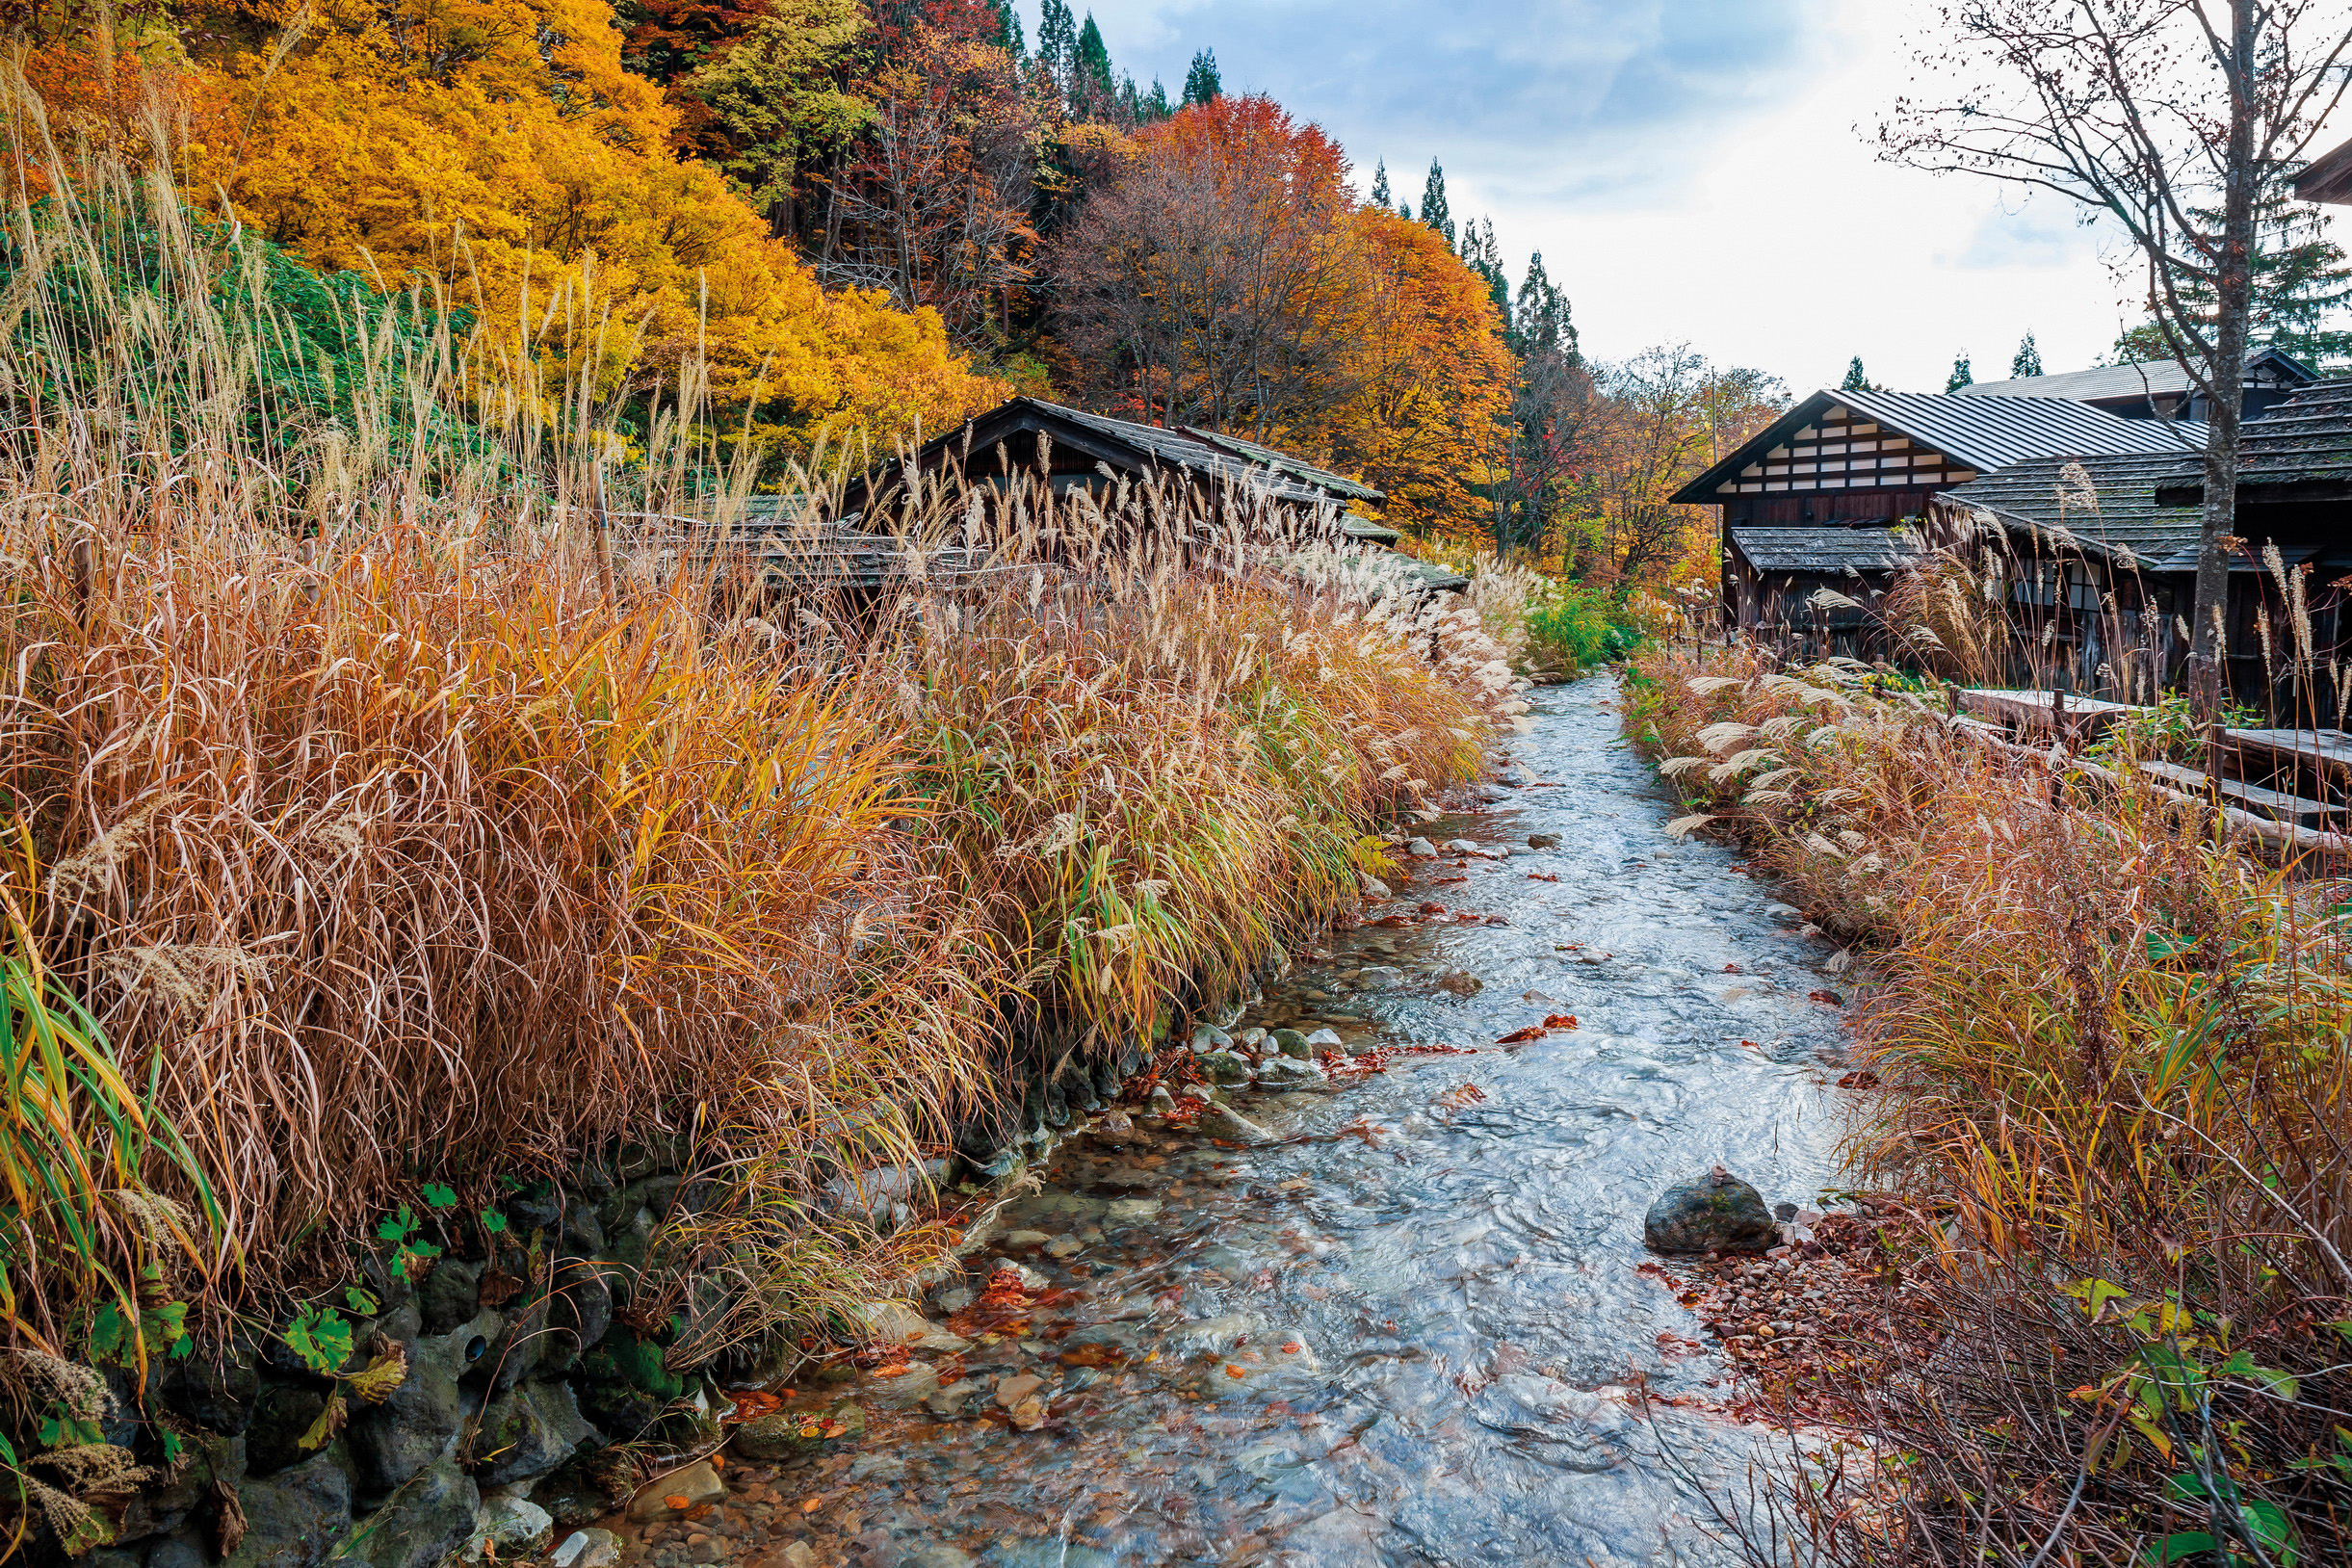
(864, 220)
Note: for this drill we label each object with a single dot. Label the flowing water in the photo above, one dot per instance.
(1409, 1336)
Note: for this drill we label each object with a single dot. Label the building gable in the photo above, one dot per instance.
(1842, 448)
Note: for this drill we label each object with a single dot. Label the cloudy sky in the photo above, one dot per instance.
(1694, 170)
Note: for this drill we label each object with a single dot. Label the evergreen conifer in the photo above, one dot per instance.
(1201, 84)
(1856, 379)
(1156, 102)
(1380, 196)
(1091, 66)
(1007, 28)
(1057, 41)
(1484, 256)
(1433, 209)
(2027, 360)
(1541, 323)
(1961, 376)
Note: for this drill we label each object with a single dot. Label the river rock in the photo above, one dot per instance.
(697, 1483)
(1250, 1040)
(1380, 977)
(1324, 1040)
(1225, 1066)
(1515, 777)
(292, 1518)
(1289, 1072)
(588, 1549)
(1290, 1043)
(1162, 1101)
(1543, 841)
(1375, 889)
(430, 1517)
(1460, 846)
(1714, 1213)
(530, 1430)
(1224, 1122)
(1421, 849)
(510, 1528)
(1208, 1037)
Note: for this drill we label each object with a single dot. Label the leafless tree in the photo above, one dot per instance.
(2165, 117)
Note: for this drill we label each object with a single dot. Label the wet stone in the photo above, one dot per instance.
(1713, 1212)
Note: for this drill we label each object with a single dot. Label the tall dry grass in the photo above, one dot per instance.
(411, 792)
(2115, 1081)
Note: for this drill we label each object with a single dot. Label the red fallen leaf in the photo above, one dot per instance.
(1864, 1079)
(1232, 1371)
(1392, 922)
(1542, 784)
(1445, 881)
(1531, 1032)
(1829, 998)
(1498, 920)
(1561, 1020)
(1731, 969)
(1750, 1045)
(1542, 877)
(1432, 908)
(1467, 917)
(1093, 1355)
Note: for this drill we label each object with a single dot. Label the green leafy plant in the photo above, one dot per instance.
(321, 1339)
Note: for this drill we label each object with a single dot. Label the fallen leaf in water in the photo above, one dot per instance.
(1542, 877)
(1567, 946)
(676, 1504)
(1865, 1080)
(1232, 1371)
(1292, 1347)
(1531, 1032)
(1561, 1020)
(1830, 998)
(1460, 1096)
(811, 1504)
(1498, 920)
(1750, 1045)
(1392, 922)
(1445, 881)
(1093, 1355)
(1030, 1414)
(1432, 908)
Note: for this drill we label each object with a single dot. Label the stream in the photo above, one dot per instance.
(1407, 1337)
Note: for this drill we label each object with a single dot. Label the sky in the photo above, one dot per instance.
(1695, 172)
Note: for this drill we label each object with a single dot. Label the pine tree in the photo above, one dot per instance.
(1433, 209)
(1007, 28)
(1541, 324)
(1380, 196)
(1156, 102)
(1092, 87)
(2029, 360)
(1404, 210)
(1961, 376)
(1484, 258)
(1857, 380)
(1201, 84)
(2302, 284)
(1057, 41)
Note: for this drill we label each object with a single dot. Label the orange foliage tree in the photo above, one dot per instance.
(1228, 278)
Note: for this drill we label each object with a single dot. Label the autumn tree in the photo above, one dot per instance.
(527, 173)
(1204, 284)
(935, 203)
(1663, 417)
(780, 100)
(1431, 373)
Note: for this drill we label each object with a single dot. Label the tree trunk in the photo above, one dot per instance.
(2233, 306)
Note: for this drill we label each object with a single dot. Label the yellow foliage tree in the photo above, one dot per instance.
(501, 148)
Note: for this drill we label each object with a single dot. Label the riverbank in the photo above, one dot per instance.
(1398, 1306)
(490, 966)
(2108, 1061)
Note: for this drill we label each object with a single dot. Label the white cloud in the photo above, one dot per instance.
(1693, 171)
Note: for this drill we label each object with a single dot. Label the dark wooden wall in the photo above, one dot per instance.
(1827, 505)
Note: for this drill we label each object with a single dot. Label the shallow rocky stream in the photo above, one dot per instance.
(1404, 1343)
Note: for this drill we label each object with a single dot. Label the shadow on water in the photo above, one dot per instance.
(1408, 1344)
